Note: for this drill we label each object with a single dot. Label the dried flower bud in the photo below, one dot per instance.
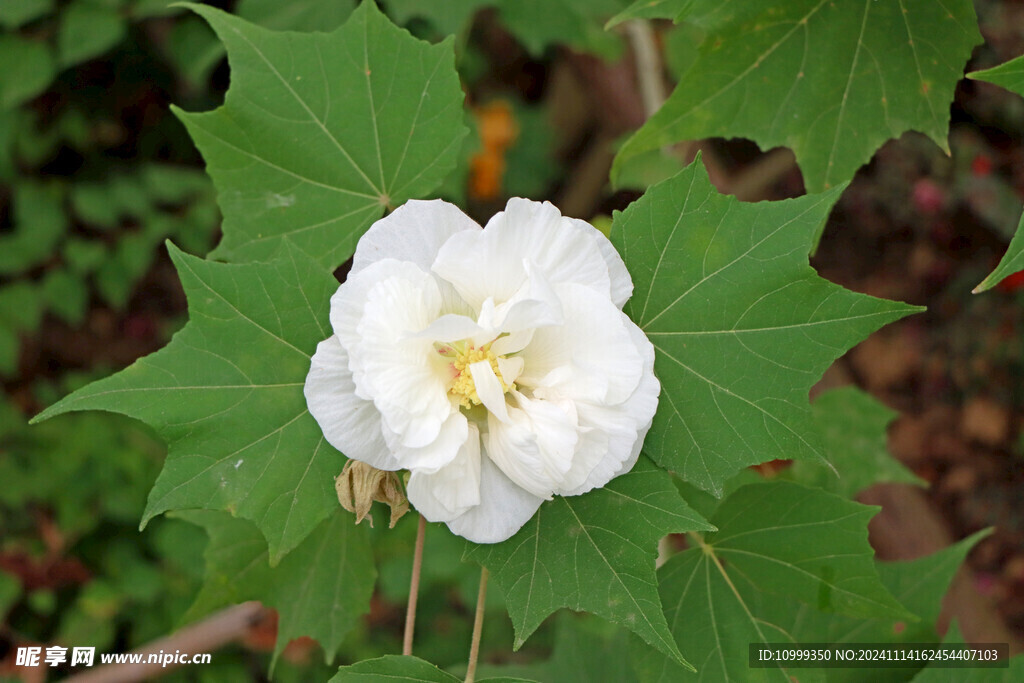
(359, 485)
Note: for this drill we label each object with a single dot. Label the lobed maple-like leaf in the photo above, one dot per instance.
(741, 324)
(320, 132)
(919, 585)
(1009, 75)
(320, 589)
(391, 668)
(853, 431)
(778, 542)
(594, 553)
(830, 80)
(942, 672)
(226, 396)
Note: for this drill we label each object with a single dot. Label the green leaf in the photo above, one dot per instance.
(538, 24)
(15, 13)
(830, 80)
(776, 541)
(741, 324)
(586, 649)
(196, 49)
(20, 307)
(650, 168)
(390, 668)
(385, 122)
(173, 184)
(852, 425)
(145, 9)
(1009, 75)
(594, 553)
(938, 674)
(117, 275)
(447, 16)
(128, 194)
(226, 396)
(803, 544)
(1012, 261)
(93, 204)
(66, 295)
(83, 256)
(918, 584)
(26, 69)
(39, 224)
(11, 123)
(682, 48)
(298, 15)
(921, 584)
(650, 9)
(320, 589)
(530, 166)
(10, 591)
(9, 348)
(87, 30)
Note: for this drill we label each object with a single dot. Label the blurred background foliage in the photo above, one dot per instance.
(96, 173)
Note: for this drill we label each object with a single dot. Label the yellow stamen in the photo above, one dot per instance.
(465, 354)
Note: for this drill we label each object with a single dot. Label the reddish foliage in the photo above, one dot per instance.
(43, 573)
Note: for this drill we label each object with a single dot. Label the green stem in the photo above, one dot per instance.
(478, 627)
(414, 588)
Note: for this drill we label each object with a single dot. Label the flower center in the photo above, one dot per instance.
(464, 354)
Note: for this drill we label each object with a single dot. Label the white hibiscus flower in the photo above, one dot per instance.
(495, 364)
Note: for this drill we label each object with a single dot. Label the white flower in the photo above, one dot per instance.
(495, 365)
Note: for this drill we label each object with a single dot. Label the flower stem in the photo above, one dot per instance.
(414, 588)
(478, 627)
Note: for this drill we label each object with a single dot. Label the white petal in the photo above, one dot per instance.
(534, 448)
(592, 449)
(479, 268)
(450, 328)
(349, 423)
(625, 427)
(621, 283)
(512, 342)
(348, 303)
(413, 232)
(566, 250)
(488, 388)
(535, 304)
(438, 453)
(503, 510)
(403, 375)
(452, 490)
(490, 263)
(510, 368)
(591, 357)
